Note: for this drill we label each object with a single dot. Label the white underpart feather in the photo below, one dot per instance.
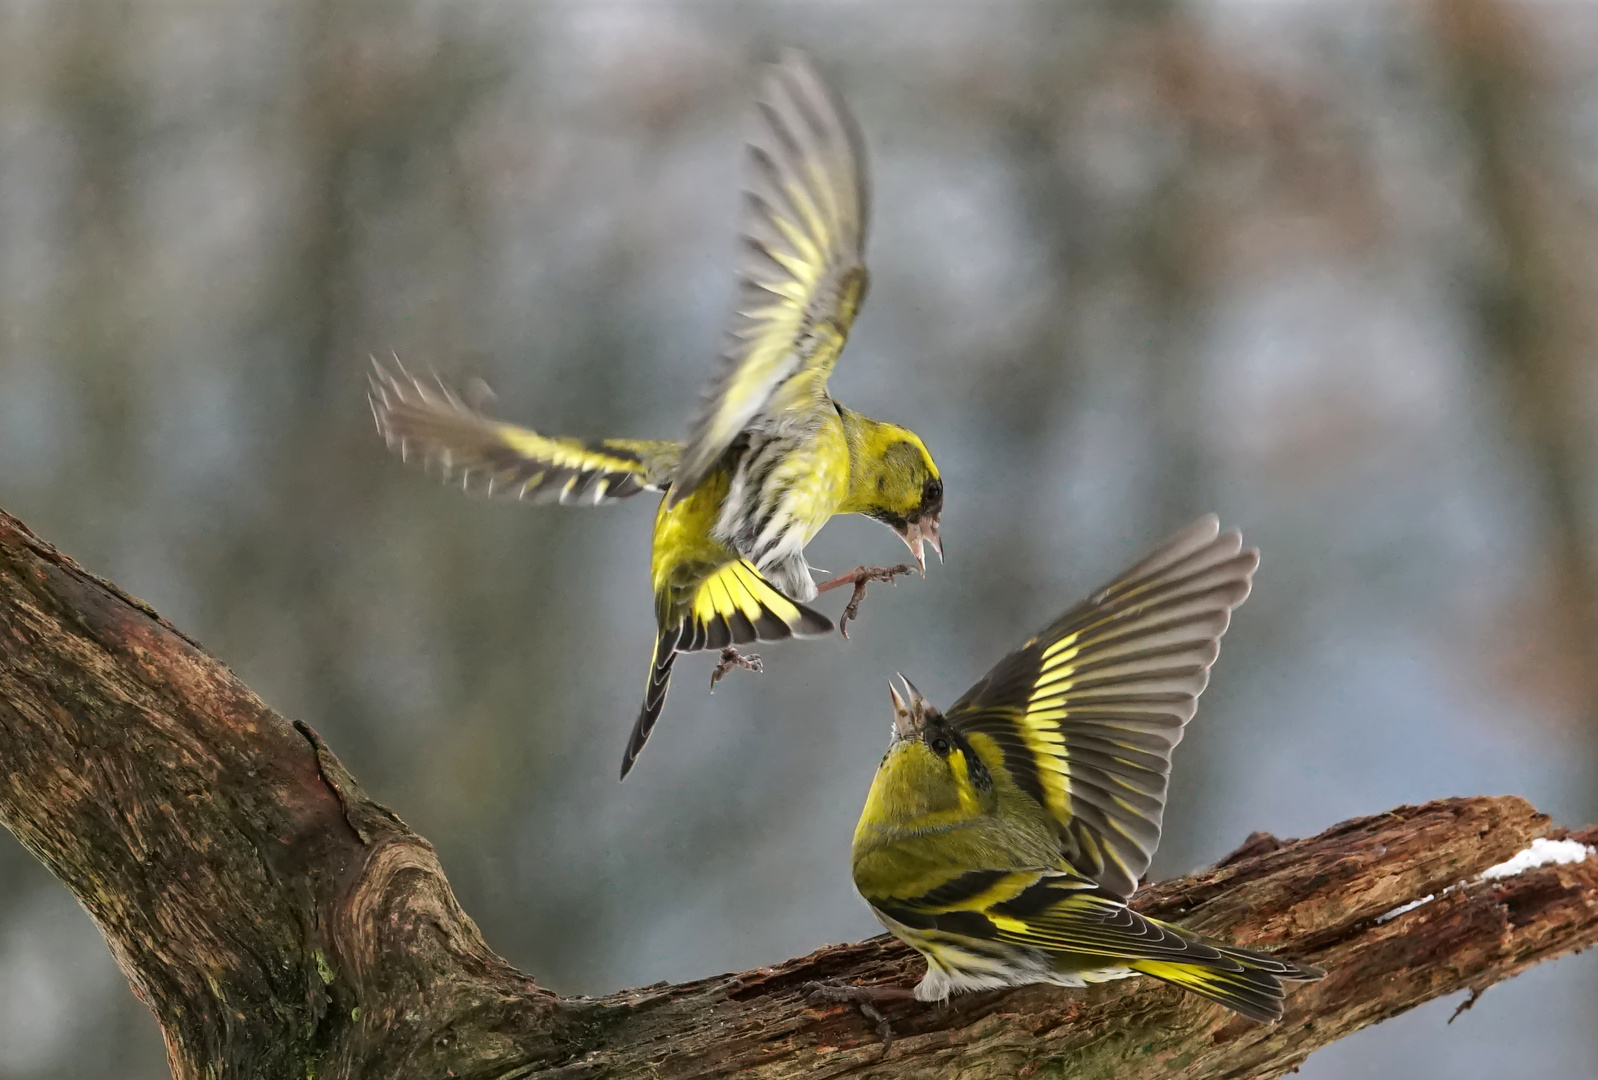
(951, 969)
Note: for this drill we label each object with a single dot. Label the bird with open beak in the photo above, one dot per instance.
(915, 518)
(1002, 838)
(910, 710)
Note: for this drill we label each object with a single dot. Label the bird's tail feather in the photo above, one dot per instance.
(732, 605)
(1250, 984)
(654, 696)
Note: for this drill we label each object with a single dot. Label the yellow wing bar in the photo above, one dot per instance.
(734, 605)
(431, 423)
(1085, 715)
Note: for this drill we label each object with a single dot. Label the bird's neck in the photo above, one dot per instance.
(865, 438)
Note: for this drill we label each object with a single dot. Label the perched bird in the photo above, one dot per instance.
(1002, 838)
(770, 457)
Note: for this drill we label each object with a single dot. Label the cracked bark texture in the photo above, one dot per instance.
(278, 922)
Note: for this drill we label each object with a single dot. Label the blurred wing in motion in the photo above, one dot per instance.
(1084, 716)
(802, 277)
(434, 425)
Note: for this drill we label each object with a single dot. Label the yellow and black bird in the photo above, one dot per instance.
(770, 457)
(1003, 837)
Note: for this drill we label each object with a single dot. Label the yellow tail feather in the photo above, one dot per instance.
(1248, 988)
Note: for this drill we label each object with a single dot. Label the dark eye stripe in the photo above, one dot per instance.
(1019, 761)
(953, 740)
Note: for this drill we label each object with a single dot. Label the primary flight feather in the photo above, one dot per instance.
(770, 456)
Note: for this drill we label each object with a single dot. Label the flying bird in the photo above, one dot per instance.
(770, 456)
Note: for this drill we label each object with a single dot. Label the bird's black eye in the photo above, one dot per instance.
(933, 492)
(940, 746)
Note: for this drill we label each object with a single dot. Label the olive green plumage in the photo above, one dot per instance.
(770, 456)
(1002, 839)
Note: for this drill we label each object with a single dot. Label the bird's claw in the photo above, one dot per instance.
(860, 578)
(732, 658)
(864, 998)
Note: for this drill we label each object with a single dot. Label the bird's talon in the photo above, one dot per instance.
(864, 998)
(860, 578)
(732, 658)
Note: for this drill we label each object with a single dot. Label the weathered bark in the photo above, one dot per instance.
(279, 923)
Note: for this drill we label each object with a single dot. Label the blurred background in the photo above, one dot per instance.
(1324, 267)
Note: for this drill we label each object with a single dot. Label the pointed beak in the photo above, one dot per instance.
(904, 723)
(916, 535)
(929, 529)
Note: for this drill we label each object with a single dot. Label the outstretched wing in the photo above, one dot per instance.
(436, 426)
(802, 276)
(1084, 716)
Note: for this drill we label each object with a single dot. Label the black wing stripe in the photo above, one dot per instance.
(770, 628)
(967, 924)
(741, 629)
(717, 634)
(968, 885)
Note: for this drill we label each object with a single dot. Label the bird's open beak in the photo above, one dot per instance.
(903, 725)
(906, 717)
(917, 534)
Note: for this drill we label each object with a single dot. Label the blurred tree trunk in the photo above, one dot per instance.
(280, 923)
(1533, 292)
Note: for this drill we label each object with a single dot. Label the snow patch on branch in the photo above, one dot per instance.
(1541, 853)
(1401, 908)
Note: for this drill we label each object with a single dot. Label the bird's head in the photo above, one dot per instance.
(899, 486)
(930, 776)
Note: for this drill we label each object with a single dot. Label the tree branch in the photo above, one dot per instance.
(280, 923)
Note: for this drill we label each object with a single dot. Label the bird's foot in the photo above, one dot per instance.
(732, 658)
(865, 998)
(860, 578)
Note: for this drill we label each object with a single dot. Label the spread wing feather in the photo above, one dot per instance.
(430, 422)
(1085, 714)
(802, 276)
(735, 605)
